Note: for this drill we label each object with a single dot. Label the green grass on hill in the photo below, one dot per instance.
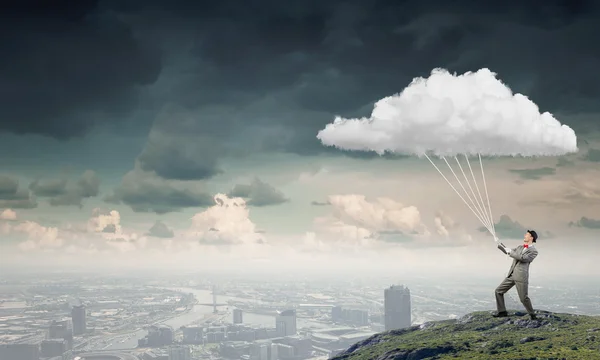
(480, 336)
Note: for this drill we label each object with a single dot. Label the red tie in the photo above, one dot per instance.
(525, 246)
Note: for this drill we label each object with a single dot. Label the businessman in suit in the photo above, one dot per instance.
(518, 275)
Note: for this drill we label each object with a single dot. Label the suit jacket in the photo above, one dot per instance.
(519, 271)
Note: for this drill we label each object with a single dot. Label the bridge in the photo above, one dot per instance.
(214, 304)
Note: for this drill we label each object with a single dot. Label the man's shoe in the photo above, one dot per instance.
(533, 317)
(500, 314)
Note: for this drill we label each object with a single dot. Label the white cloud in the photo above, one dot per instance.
(226, 223)
(100, 222)
(357, 223)
(450, 115)
(8, 214)
(38, 236)
(381, 215)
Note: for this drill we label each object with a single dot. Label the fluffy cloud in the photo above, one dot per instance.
(8, 214)
(226, 223)
(447, 227)
(100, 222)
(62, 193)
(258, 193)
(37, 236)
(160, 230)
(144, 192)
(101, 234)
(356, 222)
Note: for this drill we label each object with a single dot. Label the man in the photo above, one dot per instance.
(518, 275)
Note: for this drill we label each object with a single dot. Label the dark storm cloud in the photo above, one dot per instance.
(587, 223)
(160, 230)
(258, 193)
(64, 64)
(177, 149)
(533, 174)
(270, 81)
(593, 155)
(143, 193)
(62, 193)
(14, 197)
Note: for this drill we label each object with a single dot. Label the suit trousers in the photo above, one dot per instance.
(522, 289)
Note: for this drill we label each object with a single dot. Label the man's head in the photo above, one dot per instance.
(530, 237)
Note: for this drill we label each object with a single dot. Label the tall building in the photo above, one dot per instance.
(337, 314)
(397, 308)
(285, 323)
(79, 320)
(53, 347)
(179, 353)
(238, 316)
(62, 329)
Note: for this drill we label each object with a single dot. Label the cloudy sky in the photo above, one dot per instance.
(184, 133)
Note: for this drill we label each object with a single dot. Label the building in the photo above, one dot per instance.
(179, 353)
(192, 334)
(358, 317)
(62, 329)
(238, 316)
(53, 347)
(336, 314)
(285, 323)
(397, 308)
(158, 336)
(20, 351)
(78, 316)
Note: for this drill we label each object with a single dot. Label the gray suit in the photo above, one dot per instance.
(518, 276)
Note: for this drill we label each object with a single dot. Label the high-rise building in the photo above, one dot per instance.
(179, 353)
(397, 308)
(238, 316)
(53, 347)
(79, 320)
(336, 314)
(193, 334)
(62, 329)
(285, 323)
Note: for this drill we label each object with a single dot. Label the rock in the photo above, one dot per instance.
(531, 339)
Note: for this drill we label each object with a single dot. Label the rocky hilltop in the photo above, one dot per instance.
(480, 336)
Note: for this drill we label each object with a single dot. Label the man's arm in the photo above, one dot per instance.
(526, 257)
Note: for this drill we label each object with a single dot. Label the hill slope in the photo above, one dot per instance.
(480, 336)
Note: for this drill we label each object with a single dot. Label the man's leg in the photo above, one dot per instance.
(522, 290)
(502, 289)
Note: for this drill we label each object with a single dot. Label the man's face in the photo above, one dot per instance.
(528, 238)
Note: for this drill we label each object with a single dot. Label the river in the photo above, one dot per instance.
(199, 311)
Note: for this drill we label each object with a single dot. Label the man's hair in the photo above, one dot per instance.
(533, 235)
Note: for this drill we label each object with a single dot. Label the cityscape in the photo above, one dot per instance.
(91, 317)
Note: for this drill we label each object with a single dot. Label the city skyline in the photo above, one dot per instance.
(185, 138)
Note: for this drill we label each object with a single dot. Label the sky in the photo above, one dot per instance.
(183, 134)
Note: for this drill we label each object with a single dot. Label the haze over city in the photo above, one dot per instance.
(180, 138)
